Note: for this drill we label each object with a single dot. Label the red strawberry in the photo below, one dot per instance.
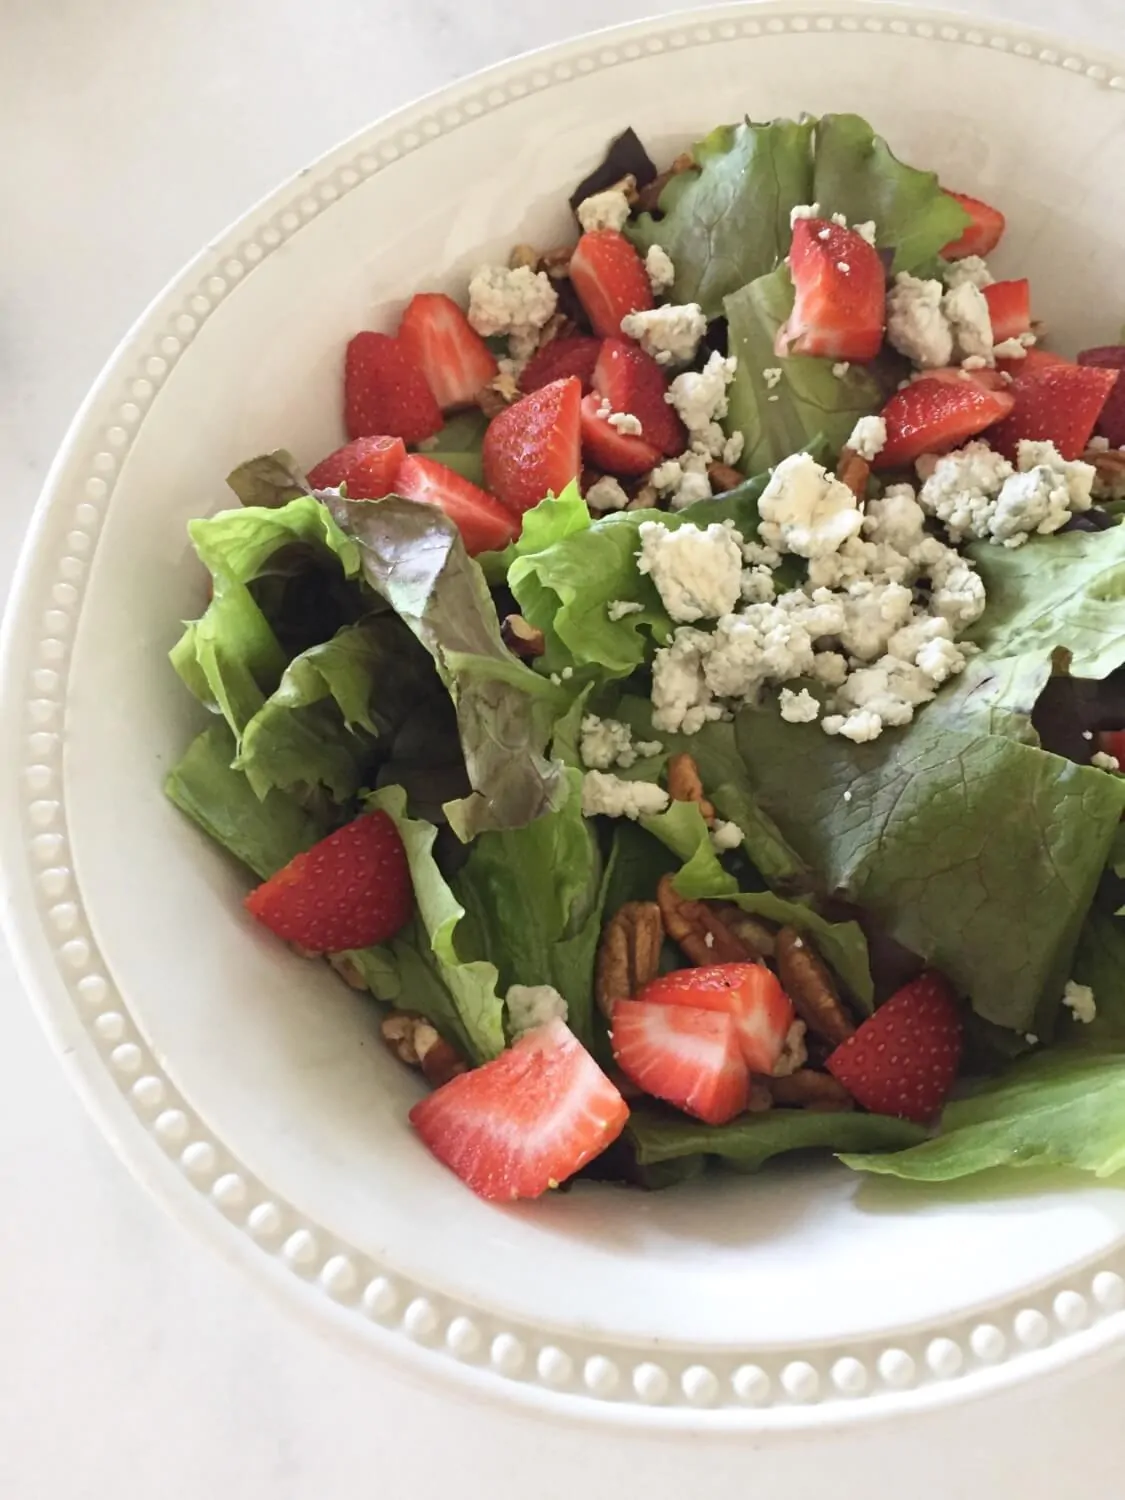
(631, 381)
(612, 451)
(839, 310)
(933, 416)
(385, 391)
(903, 1060)
(368, 467)
(689, 1057)
(987, 379)
(1009, 308)
(750, 993)
(534, 447)
(526, 1121)
(455, 360)
(575, 355)
(351, 890)
(1034, 359)
(610, 279)
(1111, 423)
(979, 237)
(484, 524)
(1056, 403)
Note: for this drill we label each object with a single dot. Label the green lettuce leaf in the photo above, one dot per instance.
(413, 557)
(458, 445)
(809, 402)
(1100, 963)
(552, 520)
(270, 481)
(1064, 1108)
(728, 222)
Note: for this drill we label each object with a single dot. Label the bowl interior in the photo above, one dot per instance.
(281, 1060)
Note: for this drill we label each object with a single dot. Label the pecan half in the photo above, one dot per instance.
(853, 471)
(1110, 464)
(811, 988)
(417, 1044)
(808, 1090)
(649, 196)
(684, 785)
(524, 255)
(700, 929)
(557, 326)
(749, 930)
(629, 954)
(723, 478)
(521, 638)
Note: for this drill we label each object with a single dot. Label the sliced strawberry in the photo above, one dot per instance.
(903, 1060)
(484, 524)
(982, 235)
(1111, 422)
(840, 307)
(455, 360)
(385, 391)
(688, 1056)
(368, 467)
(1009, 308)
(933, 416)
(1034, 359)
(351, 890)
(534, 448)
(610, 279)
(631, 381)
(750, 993)
(1056, 403)
(575, 355)
(613, 452)
(987, 379)
(526, 1121)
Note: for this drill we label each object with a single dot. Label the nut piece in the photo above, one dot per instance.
(1109, 462)
(521, 638)
(523, 255)
(811, 988)
(556, 262)
(648, 198)
(723, 478)
(806, 1089)
(749, 930)
(629, 955)
(853, 471)
(499, 393)
(684, 785)
(348, 970)
(557, 326)
(701, 930)
(417, 1044)
(646, 498)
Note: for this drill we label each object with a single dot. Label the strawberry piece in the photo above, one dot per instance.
(1056, 403)
(750, 994)
(368, 467)
(609, 450)
(840, 307)
(1111, 422)
(933, 416)
(351, 890)
(610, 279)
(385, 391)
(576, 355)
(979, 237)
(1034, 359)
(484, 524)
(903, 1060)
(455, 360)
(631, 381)
(687, 1056)
(988, 380)
(526, 1121)
(534, 448)
(1009, 308)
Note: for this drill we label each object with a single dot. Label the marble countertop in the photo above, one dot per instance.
(135, 1362)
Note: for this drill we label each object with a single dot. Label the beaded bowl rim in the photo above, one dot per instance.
(1078, 1315)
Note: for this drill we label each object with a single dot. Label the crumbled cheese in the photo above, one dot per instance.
(962, 490)
(798, 708)
(794, 1052)
(697, 570)
(974, 362)
(608, 796)
(841, 220)
(896, 521)
(866, 231)
(532, 1005)
(671, 334)
(1105, 762)
(1009, 349)
(732, 448)
(661, 271)
(682, 702)
(916, 324)
(515, 302)
(1078, 475)
(757, 585)
(891, 689)
(971, 269)
(608, 210)
(830, 668)
(859, 727)
(841, 369)
(700, 399)
(1034, 500)
(682, 481)
(966, 311)
(975, 493)
(869, 437)
(772, 376)
(617, 609)
(1079, 1000)
(606, 494)
(764, 644)
(806, 510)
(757, 555)
(872, 614)
(957, 591)
(843, 267)
(725, 836)
(605, 743)
(625, 422)
(1096, 444)
(803, 211)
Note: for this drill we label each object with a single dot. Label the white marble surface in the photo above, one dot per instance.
(134, 1362)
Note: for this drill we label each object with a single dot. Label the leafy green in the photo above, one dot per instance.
(1064, 1108)
(728, 222)
(747, 1143)
(552, 520)
(858, 175)
(1100, 963)
(270, 481)
(808, 402)
(414, 558)
(458, 445)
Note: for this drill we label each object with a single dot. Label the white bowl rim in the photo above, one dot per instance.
(1078, 1317)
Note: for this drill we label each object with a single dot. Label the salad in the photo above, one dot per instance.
(691, 702)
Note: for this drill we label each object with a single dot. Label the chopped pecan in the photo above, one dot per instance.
(684, 784)
(498, 394)
(348, 970)
(750, 930)
(417, 1044)
(521, 638)
(794, 1053)
(700, 929)
(1109, 463)
(524, 255)
(628, 187)
(723, 478)
(646, 498)
(808, 1090)
(854, 471)
(811, 988)
(760, 1099)
(629, 955)
(649, 197)
(556, 262)
(557, 326)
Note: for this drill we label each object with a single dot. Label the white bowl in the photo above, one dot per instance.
(249, 1089)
